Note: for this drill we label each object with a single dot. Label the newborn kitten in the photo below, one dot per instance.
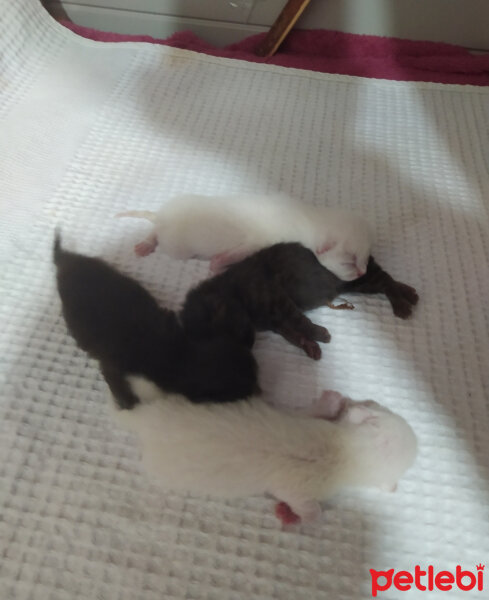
(249, 447)
(270, 290)
(117, 322)
(226, 229)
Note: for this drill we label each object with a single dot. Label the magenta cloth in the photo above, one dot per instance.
(337, 52)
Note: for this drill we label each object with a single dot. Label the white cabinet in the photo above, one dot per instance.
(463, 22)
(220, 22)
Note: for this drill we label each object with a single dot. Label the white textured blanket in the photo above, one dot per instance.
(90, 129)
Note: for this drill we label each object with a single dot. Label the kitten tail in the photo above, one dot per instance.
(138, 214)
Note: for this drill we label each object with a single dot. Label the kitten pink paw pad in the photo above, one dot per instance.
(144, 248)
(285, 514)
(330, 405)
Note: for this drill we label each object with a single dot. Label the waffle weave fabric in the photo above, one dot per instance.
(89, 129)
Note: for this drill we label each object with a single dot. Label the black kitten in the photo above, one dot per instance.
(272, 288)
(116, 321)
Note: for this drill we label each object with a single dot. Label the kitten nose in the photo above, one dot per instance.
(360, 272)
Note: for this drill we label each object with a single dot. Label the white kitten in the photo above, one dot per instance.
(226, 229)
(249, 447)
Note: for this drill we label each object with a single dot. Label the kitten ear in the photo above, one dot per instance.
(326, 247)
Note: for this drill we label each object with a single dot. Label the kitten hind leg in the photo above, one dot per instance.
(296, 509)
(147, 246)
(295, 327)
(119, 387)
(296, 336)
(285, 514)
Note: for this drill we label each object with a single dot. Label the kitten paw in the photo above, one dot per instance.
(402, 298)
(321, 334)
(311, 348)
(330, 405)
(408, 293)
(330, 396)
(307, 511)
(144, 248)
(285, 514)
(400, 307)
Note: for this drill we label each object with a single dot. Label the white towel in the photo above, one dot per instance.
(89, 129)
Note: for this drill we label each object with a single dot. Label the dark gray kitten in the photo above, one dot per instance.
(270, 289)
(119, 323)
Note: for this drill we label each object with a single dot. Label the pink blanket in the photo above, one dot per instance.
(337, 52)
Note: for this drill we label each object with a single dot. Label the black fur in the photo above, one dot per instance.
(116, 321)
(270, 290)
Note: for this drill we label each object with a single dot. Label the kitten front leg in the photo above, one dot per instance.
(377, 281)
(402, 298)
(330, 406)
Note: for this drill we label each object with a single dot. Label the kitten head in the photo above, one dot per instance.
(347, 255)
(384, 444)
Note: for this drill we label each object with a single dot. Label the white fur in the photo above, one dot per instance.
(249, 447)
(229, 228)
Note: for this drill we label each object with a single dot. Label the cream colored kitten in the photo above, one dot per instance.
(226, 229)
(248, 447)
